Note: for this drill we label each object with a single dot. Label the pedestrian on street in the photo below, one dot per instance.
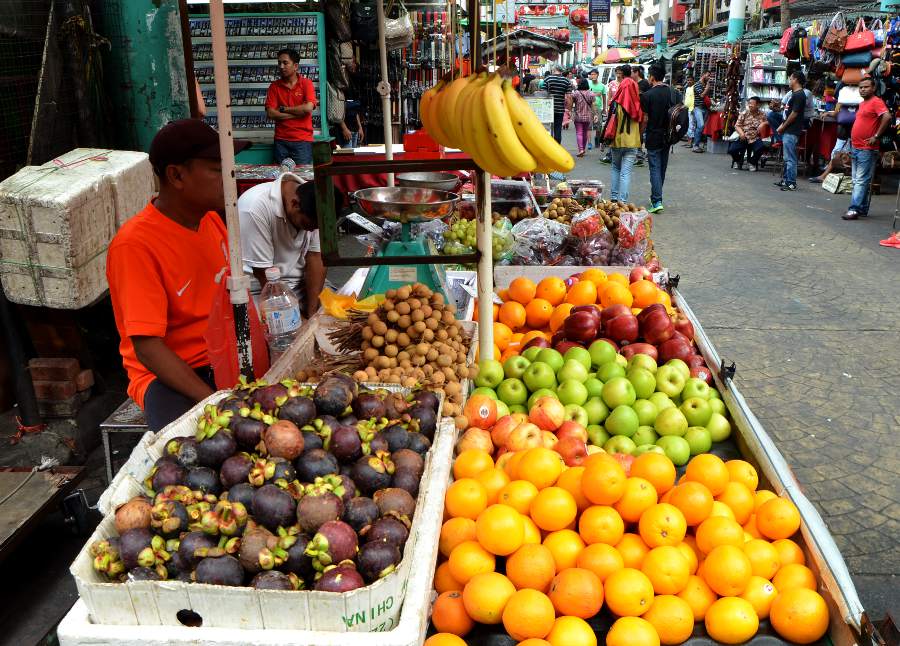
(791, 130)
(612, 88)
(872, 119)
(689, 105)
(625, 135)
(290, 102)
(581, 108)
(656, 104)
(637, 74)
(748, 143)
(558, 87)
(599, 91)
(702, 100)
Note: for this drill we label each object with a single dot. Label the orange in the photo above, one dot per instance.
(454, 532)
(788, 552)
(493, 481)
(469, 559)
(698, 595)
(667, 569)
(538, 313)
(531, 566)
(570, 480)
(532, 334)
(761, 496)
(740, 499)
(444, 581)
(496, 354)
(778, 518)
(763, 557)
(731, 620)
(576, 592)
(534, 642)
(495, 311)
(485, 596)
(629, 592)
(481, 411)
(715, 531)
(663, 297)
(565, 545)
(466, 498)
(694, 500)
(528, 614)
(671, 617)
(553, 509)
(444, 639)
(688, 552)
(601, 559)
(502, 335)
(521, 290)
(709, 470)
(743, 472)
(751, 528)
(471, 462)
(518, 494)
(662, 524)
(512, 315)
(552, 289)
(595, 275)
(633, 550)
(500, 530)
(532, 532)
(603, 482)
(540, 466)
(560, 313)
(760, 593)
(601, 524)
(622, 279)
(632, 631)
(799, 615)
(727, 570)
(644, 292)
(502, 461)
(656, 469)
(721, 510)
(638, 497)
(794, 575)
(584, 292)
(449, 614)
(571, 631)
(614, 293)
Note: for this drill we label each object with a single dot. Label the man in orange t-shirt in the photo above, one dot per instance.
(290, 102)
(163, 266)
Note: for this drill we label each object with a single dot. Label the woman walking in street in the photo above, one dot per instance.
(623, 131)
(581, 108)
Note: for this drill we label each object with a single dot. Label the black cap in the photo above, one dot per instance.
(184, 139)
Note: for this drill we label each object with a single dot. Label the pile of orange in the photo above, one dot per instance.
(661, 554)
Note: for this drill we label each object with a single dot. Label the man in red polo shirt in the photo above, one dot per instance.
(872, 119)
(290, 102)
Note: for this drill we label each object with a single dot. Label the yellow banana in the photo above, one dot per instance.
(449, 120)
(503, 136)
(424, 103)
(464, 127)
(483, 151)
(533, 135)
(437, 132)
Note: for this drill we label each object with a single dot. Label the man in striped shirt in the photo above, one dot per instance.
(558, 86)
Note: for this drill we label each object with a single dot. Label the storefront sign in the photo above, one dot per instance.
(544, 22)
(598, 10)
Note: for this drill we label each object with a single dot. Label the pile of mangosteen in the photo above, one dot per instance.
(283, 487)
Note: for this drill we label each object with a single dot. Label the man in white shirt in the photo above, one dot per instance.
(279, 228)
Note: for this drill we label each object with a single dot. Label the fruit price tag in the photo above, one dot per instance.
(661, 278)
(357, 219)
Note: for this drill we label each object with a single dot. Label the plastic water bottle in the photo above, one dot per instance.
(281, 313)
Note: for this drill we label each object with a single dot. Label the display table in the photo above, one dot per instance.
(821, 137)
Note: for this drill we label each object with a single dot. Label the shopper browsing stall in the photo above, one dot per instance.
(791, 130)
(290, 102)
(872, 119)
(748, 143)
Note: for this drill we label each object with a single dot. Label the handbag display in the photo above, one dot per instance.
(337, 20)
(847, 115)
(398, 32)
(853, 75)
(856, 59)
(336, 104)
(861, 39)
(877, 28)
(836, 35)
(364, 23)
(849, 95)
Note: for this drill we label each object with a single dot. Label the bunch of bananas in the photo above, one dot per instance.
(484, 116)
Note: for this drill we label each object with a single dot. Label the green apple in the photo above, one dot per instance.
(669, 380)
(490, 374)
(661, 401)
(597, 435)
(490, 392)
(539, 375)
(647, 448)
(541, 392)
(610, 371)
(531, 353)
(696, 410)
(551, 357)
(572, 370)
(572, 391)
(643, 381)
(644, 361)
(581, 355)
(597, 411)
(682, 367)
(518, 408)
(576, 413)
(618, 391)
(670, 422)
(676, 449)
(714, 394)
(619, 444)
(594, 386)
(718, 427)
(512, 391)
(699, 439)
(717, 405)
(502, 409)
(622, 421)
(695, 387)
(646, 411)
(622, 361)
(601, 353)
(645, 435)
(514, 367)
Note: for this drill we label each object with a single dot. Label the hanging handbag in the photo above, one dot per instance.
(847, 115)
(849, 95)
(785, 44)
(853, 75)
(877, 29)
(336, 104)
(337, 20)
(398, 32)
(364, 22)
(861, 39)
(856, 59)
(836, 35)
(337, 72)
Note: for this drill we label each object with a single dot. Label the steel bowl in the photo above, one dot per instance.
(405, 204)
(439, 181)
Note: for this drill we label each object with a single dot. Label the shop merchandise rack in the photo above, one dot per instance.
(766, 76)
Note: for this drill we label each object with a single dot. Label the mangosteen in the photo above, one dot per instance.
(144, 574)
(242, 493)
(407, 479)
(253, 542)
(322, 426)
(315, 463)
(360, 512)
(283, 471)
(274, 580)
(346, 470)
(373, 472)
(378, 444)
(107, 558)
(184, 449)
(299, 410)
(131, 543)
(346, 444)
(268, 396)
(332, 397)
(283, 440)
(297, 561)
(334, 542)
(187, 549)
(235, 470)
(232, 404)
(349, 420)
(408, 460)
(377, 559)
(219, 570)
(419, 443)
(169, 518)
(226, 519)
(388, 529)
(368, 406)
(132, 514)
(346, 379)
(166, 473)
(427, 398)
(396, 436)
(248, 426)
(216, 445)
(317, 507)
(395, 501)
(340, 578)
(203, 479)
(346, 489)
(183, 577)
(273, 507)
(423, 419)
(395, 405)
(312, 441)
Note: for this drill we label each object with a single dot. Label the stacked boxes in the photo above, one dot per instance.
(61, 386)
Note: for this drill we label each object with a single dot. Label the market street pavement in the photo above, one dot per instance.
(808, 307)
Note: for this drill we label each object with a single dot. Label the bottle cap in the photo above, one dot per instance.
(273, 274)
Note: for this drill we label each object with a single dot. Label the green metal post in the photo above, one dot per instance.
(325, 207)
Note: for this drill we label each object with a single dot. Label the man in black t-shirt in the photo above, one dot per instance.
(791, 130)
(656, 103)
(558, 86)
(637, 73)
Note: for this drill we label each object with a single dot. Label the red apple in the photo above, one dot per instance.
(558, 337)
(625, 461)
(524, 436)
(653, 265)
(580, 326)
(590, 309)
(640, 348)
(475, 438)
(504, 426)
(538, 341)
(564, 346)
(611, 342)
(695, 360)
(571, 428)
(613, 311)
(683, 325)
(622, 328)
(702, 372)
(674, 349)
(571, 280)
(657, 327)
(572, 450)
(548, 413)
(640, 273)
(647, 311)
(679, 335)
(549, 440)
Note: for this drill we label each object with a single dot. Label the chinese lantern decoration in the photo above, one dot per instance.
(579, 17)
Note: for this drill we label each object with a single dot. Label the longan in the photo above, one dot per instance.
(391, 336)
(449, 373)
(360, 375)
(442, 335)
(393, 316)
(444, 360)
(419, 327)
(403, 355)
(417, 316)
(403, 340)
(426, 311)
(387, 305)
(402, 308)
(460, 357)
(422, 349)
(379, 328)
(428, 370)
(377, 341)
(391, 350)
(403, 293)
(370, 354)
(390, 294)
(432, 355)
(371, 372)
(462, 372)
(406, 364)
(438, 377)
(447, 317)
(409, 382)
(431, 324)
(382, 362)
(415, 304)
(418, 360)
(428, 335)
(367, 333)
(404, 321)
(437, 298)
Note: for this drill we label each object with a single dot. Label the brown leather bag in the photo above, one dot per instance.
(836, 36)
(853, 75)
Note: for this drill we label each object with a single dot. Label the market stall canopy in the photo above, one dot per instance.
(615, 55)
(526, 42)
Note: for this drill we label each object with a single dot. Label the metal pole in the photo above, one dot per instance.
(736, 20)
(661, 33)
(184, 19)
(785, 15)
(238, 284)
(24, 389)
(384, 89)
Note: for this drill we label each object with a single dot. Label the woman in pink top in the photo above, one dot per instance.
(581, 107)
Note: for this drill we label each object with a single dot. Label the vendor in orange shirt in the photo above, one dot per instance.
(290, 101)
(163, 267)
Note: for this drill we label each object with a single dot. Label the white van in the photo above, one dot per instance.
(608, 71)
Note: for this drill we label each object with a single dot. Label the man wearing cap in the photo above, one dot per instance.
(290, 102)
(163, 266)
